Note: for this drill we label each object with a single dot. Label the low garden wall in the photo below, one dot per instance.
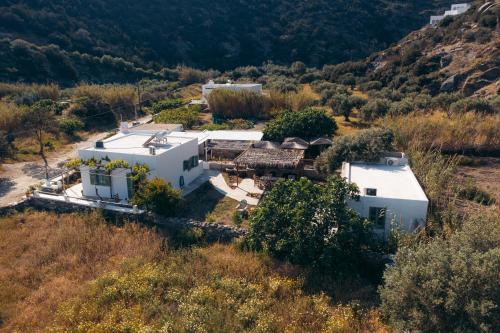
(211, 232)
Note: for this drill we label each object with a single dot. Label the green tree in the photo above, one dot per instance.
(343, 104)
(447, 285)
(40, 121)
(70, 125)
(306, 124)
(366, 145)
(377, 107)
(157, 196)
(310, 224)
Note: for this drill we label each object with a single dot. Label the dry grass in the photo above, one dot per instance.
(207, 204)
(46, 259)
(436, 130)
(76, 273)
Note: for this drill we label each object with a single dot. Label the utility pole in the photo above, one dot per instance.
(140, 101)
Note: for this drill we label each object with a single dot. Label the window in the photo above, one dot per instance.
(192, 162)
(371, 191)
(100, 178)
(130, 185)
(377, 216)
(181, 181)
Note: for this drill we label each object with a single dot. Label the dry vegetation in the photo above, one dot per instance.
(76, 273)
(456, 133)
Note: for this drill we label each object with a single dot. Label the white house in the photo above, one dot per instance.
(390, 195)
(172, 158)
(211, 85)
(456, 9)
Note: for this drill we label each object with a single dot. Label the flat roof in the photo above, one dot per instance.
(225, 135)
(236, 135)
(397, 182)
(156, 127)
(226, 85)
(133, 143)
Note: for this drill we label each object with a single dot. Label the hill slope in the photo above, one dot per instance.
(461, 54)
(68, 40)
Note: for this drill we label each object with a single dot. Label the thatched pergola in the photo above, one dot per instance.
(278, 159)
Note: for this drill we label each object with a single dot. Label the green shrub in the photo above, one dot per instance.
(157, 196)
(473, 193)
(70, 125)
(472, 104)
(310, 224)
(447, 285)
(366, 145)
(227, 104)
(377, 107)
(167, 104)
(305, 124)
(371, 85)
(188, 118)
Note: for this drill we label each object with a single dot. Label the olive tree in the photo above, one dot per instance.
(40, 121)
(366, 145)
(447, 285)
(310, 224)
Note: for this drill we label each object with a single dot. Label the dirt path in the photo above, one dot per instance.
(16, 178)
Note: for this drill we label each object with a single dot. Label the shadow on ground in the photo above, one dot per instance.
(38, 171)
(6, 185)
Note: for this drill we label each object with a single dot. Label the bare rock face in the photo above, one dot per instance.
(479, 80)
(450, 84)
(446, 59)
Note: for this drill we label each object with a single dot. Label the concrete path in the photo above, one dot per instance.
(218, 181)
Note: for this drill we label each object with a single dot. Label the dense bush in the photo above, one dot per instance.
(366, 145)
(454, 133)
(344, 104)
(473, 193)
(103, 105)
(306, 124)
(471, 104)
(447, 285)
(166, 104)
(185, 116)
(227, 104)
(69, 126)
(310, 224)
(157, 196)
(374, 108)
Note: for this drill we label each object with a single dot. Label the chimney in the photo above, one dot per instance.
(124, 127)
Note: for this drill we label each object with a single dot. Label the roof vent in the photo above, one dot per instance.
(392, 161)
(99, 145)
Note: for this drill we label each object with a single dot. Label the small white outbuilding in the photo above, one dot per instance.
(390, 195)
(211, 86)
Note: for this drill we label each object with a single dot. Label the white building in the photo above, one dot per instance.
(211, 85)
(390, 195)
(172, 158)
(456, 9)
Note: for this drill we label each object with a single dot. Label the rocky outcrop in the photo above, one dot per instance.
(479, 80)
(451, 83)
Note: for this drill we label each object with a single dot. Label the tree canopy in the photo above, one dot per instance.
(310, 224)
(447, 285)
(306, 124)
(366, 145)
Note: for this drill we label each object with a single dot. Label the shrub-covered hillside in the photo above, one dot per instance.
(79, 273)
(95, 39)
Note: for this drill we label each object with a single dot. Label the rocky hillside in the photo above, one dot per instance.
(121, 40)
(461, 54)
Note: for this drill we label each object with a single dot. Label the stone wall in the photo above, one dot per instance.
(210, 231)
